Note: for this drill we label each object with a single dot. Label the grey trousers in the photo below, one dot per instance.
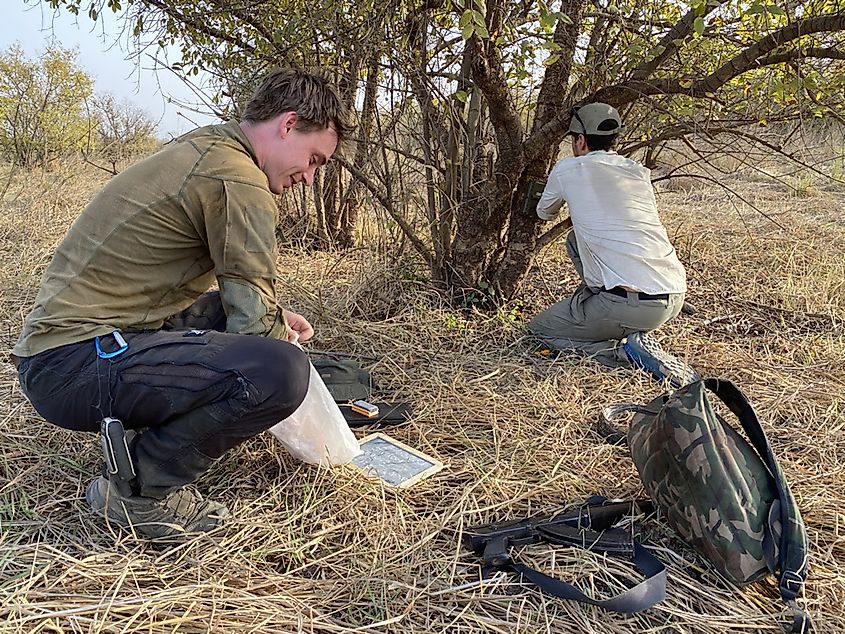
(592, 322)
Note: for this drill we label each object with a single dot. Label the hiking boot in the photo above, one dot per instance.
(181, 511)
(645, 352)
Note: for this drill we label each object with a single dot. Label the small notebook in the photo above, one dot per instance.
(393, 463)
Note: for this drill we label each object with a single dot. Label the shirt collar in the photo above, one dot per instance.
(232, 129)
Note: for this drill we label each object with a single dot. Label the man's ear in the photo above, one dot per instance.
(287, 122)
(581, 143)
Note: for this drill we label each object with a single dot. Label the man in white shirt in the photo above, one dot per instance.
(631, 279)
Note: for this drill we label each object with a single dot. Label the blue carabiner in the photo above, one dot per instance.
(120, 341)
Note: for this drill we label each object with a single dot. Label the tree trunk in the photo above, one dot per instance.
(480, 225)
(350, 205)
(331, 195)
(510, 264)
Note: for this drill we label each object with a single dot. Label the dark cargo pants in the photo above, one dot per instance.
(198, 391)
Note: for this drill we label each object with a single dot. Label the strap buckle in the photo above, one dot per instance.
(790, 583)
(496, 556)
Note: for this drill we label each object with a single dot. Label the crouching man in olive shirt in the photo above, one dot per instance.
(123, 326)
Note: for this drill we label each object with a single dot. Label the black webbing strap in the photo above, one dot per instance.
(793, 538)
(647, 593)
(589, 529)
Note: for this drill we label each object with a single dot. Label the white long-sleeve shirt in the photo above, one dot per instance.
(621, 240)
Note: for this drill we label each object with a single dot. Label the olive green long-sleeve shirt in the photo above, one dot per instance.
(156, 237)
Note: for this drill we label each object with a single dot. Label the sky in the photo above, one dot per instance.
(33, 24)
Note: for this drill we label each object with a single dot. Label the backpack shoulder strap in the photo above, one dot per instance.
(793, 539)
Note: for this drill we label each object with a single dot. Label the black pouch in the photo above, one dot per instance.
(388, 414)
(345, 378)
(347, 381)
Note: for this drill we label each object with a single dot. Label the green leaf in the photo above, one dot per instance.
(810, 85)
(477, 18)
(699, 6)
(467, 31)
(698, 25)
(461, 96)
(560, 15)
(466, 18)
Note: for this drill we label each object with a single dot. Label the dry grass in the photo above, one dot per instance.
(320, 551)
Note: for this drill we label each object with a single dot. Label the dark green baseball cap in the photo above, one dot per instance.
(595, 118)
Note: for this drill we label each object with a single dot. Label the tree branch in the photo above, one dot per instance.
(629, 21)
(210, 31)
(553, 234)
(678, 32)
(252, 19)
(788, 56)
(733, 192)
(387, 203)
(556, 79)
(490, 78)
(752, 57)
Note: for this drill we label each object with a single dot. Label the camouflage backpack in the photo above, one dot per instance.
(723, 495)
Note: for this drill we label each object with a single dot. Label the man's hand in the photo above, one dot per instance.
(298, 327)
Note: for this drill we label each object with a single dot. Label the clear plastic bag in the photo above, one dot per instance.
(316, 432)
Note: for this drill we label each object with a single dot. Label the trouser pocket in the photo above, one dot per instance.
(166, 374)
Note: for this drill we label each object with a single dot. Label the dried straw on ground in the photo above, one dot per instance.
(321, 551)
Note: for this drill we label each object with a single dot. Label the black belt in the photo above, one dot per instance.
(621, 292)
